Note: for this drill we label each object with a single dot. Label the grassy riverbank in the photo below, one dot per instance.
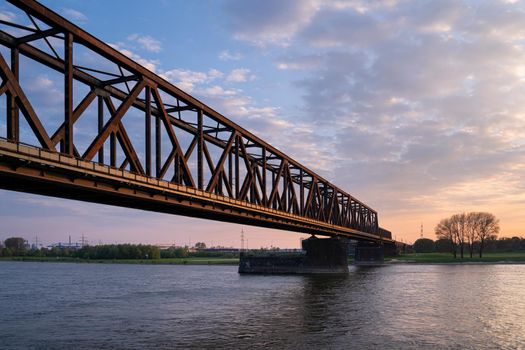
(421, 258)
(447, 258)
(165, 261)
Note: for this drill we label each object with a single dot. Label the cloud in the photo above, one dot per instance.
(187, 80)
(216, 90)
(74, 15)
(416, 103)
(7, 16)
(215, 73)
(207, 86)
(151, 64)
(264, 121)
(270, 21)
(46, 91)
(299, 62)
(240, 75)
(226, 55)
(146, 42)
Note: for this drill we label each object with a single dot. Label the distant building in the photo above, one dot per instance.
(291, 250)
(221, 250)
(166, 246)
(73, 246)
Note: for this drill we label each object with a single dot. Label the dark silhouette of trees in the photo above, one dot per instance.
(488, 226)
(200, 245)
(424, 245)
(473, 229)
(17, 245)
(445, 230)
(459, 222)
(6, 252)
(505, 244)
(118, 251)
(443, 245)
(174, 252)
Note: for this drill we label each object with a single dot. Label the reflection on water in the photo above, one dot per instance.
(85, 306)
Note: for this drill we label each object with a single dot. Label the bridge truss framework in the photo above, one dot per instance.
(127, 137)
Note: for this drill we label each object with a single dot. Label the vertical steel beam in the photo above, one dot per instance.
(252, 190)
(148, 130)
(13, 114)
(219, 189)
(158, 160)
(230, 169)
(200, 141)
(237, 180)
(285, 188)
(67, 142)
(100, 126)
(265, 197)
(301, 191)
(113, 149)
(176, 171)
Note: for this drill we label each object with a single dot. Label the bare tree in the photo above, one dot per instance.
(488, 226)
(445, 230)
(472, 230)
(460, 230)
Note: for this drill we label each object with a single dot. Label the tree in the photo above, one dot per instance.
(200, 245)
(488, 227)
(6, 252)
(459, 222)
(155, 253)
(445, 230)
(443, 245)
(424, 245)
(17, 245)
(174, 252)
(471, 229)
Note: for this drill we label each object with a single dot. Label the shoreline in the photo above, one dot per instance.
(235, 261)
(414, 262)
(167, 261)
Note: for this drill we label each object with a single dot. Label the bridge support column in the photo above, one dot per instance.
(320, 255)
(368, 253)
(326, 254)
(390, 249)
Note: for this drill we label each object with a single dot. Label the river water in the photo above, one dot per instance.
(105, 306)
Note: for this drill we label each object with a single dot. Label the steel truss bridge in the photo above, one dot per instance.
(116, 133)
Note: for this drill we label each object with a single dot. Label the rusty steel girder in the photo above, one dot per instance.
(218, 157)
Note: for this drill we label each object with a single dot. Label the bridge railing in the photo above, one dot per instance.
(142, 124)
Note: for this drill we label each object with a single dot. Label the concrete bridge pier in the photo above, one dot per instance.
(373, 253)
(321, 255)
(326, 254)
(369, 253)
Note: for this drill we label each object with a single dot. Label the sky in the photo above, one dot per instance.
(417, 108)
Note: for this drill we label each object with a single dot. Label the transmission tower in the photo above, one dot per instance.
(242, 239)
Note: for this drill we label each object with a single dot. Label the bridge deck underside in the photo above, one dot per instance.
(32, 170)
